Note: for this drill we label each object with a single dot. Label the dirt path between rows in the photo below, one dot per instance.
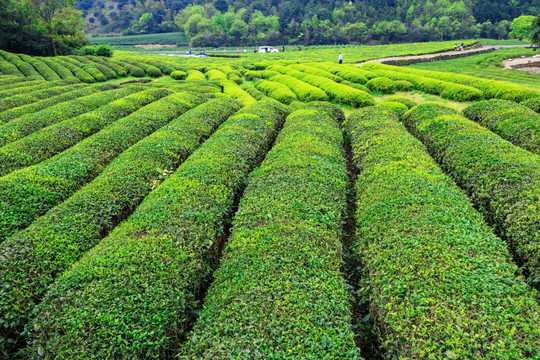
(413, 59)
(526, 63)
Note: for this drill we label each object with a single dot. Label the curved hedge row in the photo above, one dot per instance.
(533, 104)
(316, 71)
(54, 139)
(25, 125)
(258, 95)
(195, 75)
(381, 84)
(341, 93)
(79, 73)
(215, 75)
(407, 102)
(279, 292)
(500, 178)
(304, 91)
(490, 88)
(25, 68)
(119, 70)
(14, 101)
(28, 193)
(445, 89)
(42, 68)
(348, 72)
(149, 304)
(397, 107)
(442, 286)
(10, 80)
(31, 87)
(513, 122)
(82, 221)
(178, 75)
(9, 115)
(60, 69)
(276, 90)
(7, 68)
(231, 89)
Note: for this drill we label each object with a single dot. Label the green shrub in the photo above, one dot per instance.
(403, 85)
(25, 68)
(34, 190)
(533, 104)
(119, 70)
(38, 106)
(134, 70)
(33, 87)
(96, 50)
(236, 92)
(178, 75)
(348, 72)
(215, 75)
(7, 68)
(381, 84)
(78, 72)
(396, 107)
(56, 138)
(42, 68)
(236, 77)
(153, 71)
(104, 203)
(96, 74)
(181, 223)
(258, 95)
(434, 272)
(304, 91)
(195, 75)
(276, 90)
(498, 176)
(316, 71)
(34, 96)
(301, 223)
(407, 102)
(513, 122)
(356, 86)
(60, 69)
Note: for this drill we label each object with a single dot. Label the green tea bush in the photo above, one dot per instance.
(347, 72)
(215, 75)
(499, 177)
(42, 68)
(153, 71)
(283, 260)
(119, 70)
(178, 75)
(195, 75)
(407, 102)
(56, 138)
(34, 190)
(134, 70)
(32, 88)
(396, 107)
(31, 122)
(316, 71)
(276, 90)
(103, 203)
(533, 104)
(381, 84)
(304, 91)
(7, 68)
(34, 96)
(25, 68)
(96, 74)
(403, 85)
(60, 69)
(9, 115)
(235, 76)
(513, 122)
(232, 89)
(435, 272)
(258, 95)
(356, 86)
(181, 223)
(78, 72)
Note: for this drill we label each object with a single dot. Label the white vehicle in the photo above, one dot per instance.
(265, 49)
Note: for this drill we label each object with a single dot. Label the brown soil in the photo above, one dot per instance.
(525, 63)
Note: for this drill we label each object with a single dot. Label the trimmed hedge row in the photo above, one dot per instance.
(25, 68)
(7, 68)
(397, 107)
(141, 283)
(79, 223)
(490, 88)
(403, 85)
(215, 75)
(109, 73)
(119, 70)
(28, 193)
(340, 93)
(31, 87)
(235, 76)
(178, 75)
(348, 72)
(10, 80)
(445, 89)
(258, 95)
(25, 125)
(304, 91)
(60, 69)
(381, 84)
(34, 96)
(316, 71)
(279, 292)
(42, 68)
(20, 84)
(533, 104)
(407, 102)
(513, 122)
(441, 284)
(195, 75)
(8, 115)
(276, 90)
(501, 179)
(132, 69)
(79, 73)
(54, 139)
(231, 89)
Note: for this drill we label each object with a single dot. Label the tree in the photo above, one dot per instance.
(55, 17)
(535, 33)
(521, 27)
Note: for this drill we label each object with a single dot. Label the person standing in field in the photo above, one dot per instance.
(455, 47)
(461, 47)
(340, 58)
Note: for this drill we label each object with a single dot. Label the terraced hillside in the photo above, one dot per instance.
(154, 207)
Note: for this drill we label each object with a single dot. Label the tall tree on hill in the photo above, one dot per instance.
(54, 16)
(535, 33)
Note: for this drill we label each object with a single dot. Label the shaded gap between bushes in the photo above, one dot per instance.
(354, 271)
